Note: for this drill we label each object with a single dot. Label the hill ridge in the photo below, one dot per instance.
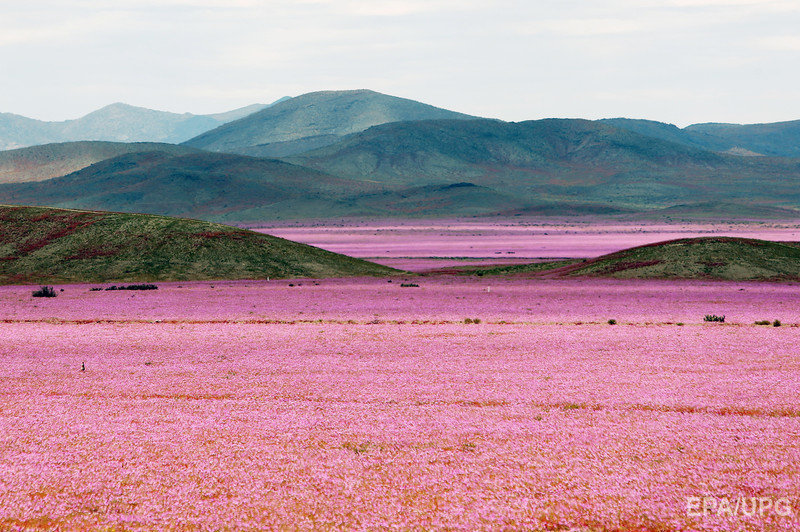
(316, 114)
(700, 258)
(46, 245)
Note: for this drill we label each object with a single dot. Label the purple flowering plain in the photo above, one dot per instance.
(361, 404)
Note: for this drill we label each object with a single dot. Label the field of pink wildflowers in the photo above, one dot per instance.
(360, 404)
(418, 245)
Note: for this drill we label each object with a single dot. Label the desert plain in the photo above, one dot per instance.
(466, 402)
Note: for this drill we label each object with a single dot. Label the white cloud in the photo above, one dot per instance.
(787, 43)
(515, 59)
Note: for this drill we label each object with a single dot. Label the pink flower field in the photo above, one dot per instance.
(427, 244)
(359, 404)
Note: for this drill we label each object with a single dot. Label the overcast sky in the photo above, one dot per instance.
(679, 61)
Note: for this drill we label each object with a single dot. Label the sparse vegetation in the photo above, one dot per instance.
(46, 245)
(725, 258)
(762, 322)
(776, 323)
(134, 287)
(409, 285)
(44, 291)
(714, 318)
(612, 322)
(357, 448)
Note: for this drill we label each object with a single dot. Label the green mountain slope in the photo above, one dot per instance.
(43, 245)
(212, 186)
(557, 161)
(324, 115)
(779, 139)
(38, 163)
(437, 168)
(776, 139)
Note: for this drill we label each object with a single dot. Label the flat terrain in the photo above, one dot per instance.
(360, 404)
(430, 244)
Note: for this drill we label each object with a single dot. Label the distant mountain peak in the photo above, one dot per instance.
(118, 121)
(327, 114)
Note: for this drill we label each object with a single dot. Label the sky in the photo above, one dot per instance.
(677, 61)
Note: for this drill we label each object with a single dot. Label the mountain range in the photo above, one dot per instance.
(116, 122)
(361, 153)
(779, 139)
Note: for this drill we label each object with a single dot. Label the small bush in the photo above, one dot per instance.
(612, 322)
(409, 285)
(715, 318)
(44, 291)
(762, 322)
(133, 287)
(776, 323)
(679, 324)
(467, 320)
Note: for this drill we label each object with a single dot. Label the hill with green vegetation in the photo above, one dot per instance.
(717, 258)
(312, 120)
(210, 186)
(117, 122)
(557, 161)
(38, 163)
(778, 139)
(437, 168)
(45, 245)
(226, 187)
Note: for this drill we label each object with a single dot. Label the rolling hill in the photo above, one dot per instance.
(437, 168)
(719, 258)
(779, 139)
(560, 161)
(117, 122)
(44, 245)
(38, 163)
(418, 168)
(211, 186)
(234, 188)
(313, 120)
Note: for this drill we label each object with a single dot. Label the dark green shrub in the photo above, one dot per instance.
(715, 318)
(44, 291)
(133, 287)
